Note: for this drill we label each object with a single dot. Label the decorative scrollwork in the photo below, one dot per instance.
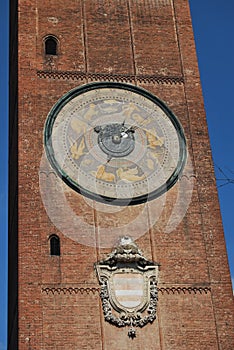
(127, 318)
(128, 287)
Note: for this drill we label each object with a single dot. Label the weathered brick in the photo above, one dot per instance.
(149, 43)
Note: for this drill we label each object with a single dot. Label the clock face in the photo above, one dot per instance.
(115, 143)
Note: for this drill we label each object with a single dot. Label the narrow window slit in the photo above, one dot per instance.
(51, 46)
(54, 245)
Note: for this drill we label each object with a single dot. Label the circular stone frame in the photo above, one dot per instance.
(105, 199)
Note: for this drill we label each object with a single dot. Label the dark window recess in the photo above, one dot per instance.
(51, 46)
(54, 245)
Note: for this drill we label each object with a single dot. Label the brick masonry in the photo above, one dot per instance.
(149, 43)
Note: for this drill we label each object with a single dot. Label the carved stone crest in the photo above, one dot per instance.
(128, 287)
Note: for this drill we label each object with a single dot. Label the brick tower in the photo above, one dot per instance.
(57, 235)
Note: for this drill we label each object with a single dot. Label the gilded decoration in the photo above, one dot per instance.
(115, 143)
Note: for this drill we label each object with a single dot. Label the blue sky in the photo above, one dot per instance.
(213, 22)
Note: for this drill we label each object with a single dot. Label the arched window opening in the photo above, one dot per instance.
(54, 245)
(51, 46)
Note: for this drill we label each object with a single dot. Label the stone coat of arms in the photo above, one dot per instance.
(128, 287)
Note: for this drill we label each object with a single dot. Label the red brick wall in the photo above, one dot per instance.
(149, 43)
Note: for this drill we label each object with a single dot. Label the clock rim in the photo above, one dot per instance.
(71, 94)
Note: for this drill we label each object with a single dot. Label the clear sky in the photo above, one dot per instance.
(213, 22)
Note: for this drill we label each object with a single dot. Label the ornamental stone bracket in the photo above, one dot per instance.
(128, 290)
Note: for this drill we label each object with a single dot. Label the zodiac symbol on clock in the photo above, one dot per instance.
(76, 150)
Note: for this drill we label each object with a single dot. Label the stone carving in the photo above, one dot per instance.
(128, 287)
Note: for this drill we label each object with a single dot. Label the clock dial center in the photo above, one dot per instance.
(116, 140)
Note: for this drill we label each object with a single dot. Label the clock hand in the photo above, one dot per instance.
(134, 127)
(97, 128)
